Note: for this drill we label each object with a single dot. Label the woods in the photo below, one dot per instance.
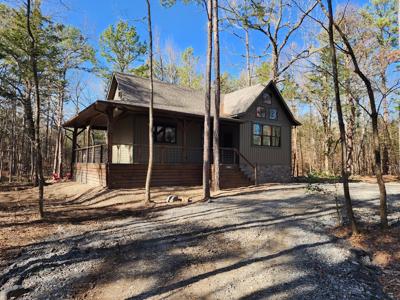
(202, 149)
(43, 62)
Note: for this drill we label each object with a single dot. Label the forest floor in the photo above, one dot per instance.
(276, 241)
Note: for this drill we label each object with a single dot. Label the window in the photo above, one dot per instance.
(165, 134)
(276, 136)
(266, 135)
(273, 114)
(267, 98)
(260, 113)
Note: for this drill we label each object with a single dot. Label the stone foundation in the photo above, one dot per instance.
(269, 173)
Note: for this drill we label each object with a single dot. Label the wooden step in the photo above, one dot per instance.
(231, 177)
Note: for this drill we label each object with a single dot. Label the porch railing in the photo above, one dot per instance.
(234, 156)
(167, 154)
(91, 154)
(163, 154)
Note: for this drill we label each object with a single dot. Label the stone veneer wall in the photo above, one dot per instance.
(269, 173)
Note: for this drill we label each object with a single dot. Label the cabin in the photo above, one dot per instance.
(255, 136)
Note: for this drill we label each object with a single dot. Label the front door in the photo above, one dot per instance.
(227, 139)
(227, 144)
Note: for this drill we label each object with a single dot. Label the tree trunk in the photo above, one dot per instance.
(327, 141)
(295, 159)
(151, 137)
(386, 136)
(207, 100)
(295, 167)
(248, 67)
(346, 190)
(46, 143)
(1, 160)
(33, 60)
(351, 124)
(1, 167)
(398, 158)
(374, 121)
(30, 127)
(59, 141)
(12, 159)
(301, 156)
(275, 63)
(217, 96)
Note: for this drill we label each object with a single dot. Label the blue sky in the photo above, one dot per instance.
(184, 25)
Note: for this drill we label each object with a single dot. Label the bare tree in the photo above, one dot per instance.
(342, 129)
(33, 60)
(235, 21)
(373, 115)
(151, 139)
(207, 100)
(274, 20)
(248, 67)
(217, 98)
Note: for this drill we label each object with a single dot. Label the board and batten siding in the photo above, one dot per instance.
(193, 130)
(132, 130)
(264, 155)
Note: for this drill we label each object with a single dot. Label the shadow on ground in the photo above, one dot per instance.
(254, 244)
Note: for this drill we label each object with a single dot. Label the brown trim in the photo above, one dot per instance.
(73, 154)
(265, 146)
(110, 121)
(286, 107)
(165, 124)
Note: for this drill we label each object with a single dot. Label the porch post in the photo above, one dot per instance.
(88, 128)
(110, 121)
(73, 154)
(184, 141)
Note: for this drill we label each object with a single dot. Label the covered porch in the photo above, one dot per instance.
(119, 159)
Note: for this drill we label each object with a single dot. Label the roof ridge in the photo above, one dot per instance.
(160, 82)
(247, 87)
(187, 88)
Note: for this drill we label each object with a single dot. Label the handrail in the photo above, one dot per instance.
(93, 146)
(91, 154)
(244, 158)
(163, 147)
(254, 167)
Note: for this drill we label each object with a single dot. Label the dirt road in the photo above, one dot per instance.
(259, 244)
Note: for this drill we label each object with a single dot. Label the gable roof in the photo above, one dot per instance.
(239, 101)
(135, 91)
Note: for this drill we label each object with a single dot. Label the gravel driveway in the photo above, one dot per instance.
(258, 245)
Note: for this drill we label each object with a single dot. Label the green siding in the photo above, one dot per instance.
(261, 154)
(133, 130)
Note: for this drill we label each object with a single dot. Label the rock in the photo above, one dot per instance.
(172, 198)
(187, 199)
(13, 292)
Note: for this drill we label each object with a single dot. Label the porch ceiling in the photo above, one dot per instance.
(95, 114)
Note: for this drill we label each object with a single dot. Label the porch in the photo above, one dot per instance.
(173, 165)
(119, 159)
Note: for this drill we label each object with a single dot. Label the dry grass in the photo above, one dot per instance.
(372, 179)
(384, 249)
(70, 205)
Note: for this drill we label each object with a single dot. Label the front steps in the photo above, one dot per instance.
(231, 176)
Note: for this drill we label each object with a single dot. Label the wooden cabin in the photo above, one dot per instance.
(255, 136)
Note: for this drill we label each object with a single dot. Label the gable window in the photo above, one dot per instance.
(165, 134)
(273, 114)
(266, 135)
(267, 99)
(260, 112)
